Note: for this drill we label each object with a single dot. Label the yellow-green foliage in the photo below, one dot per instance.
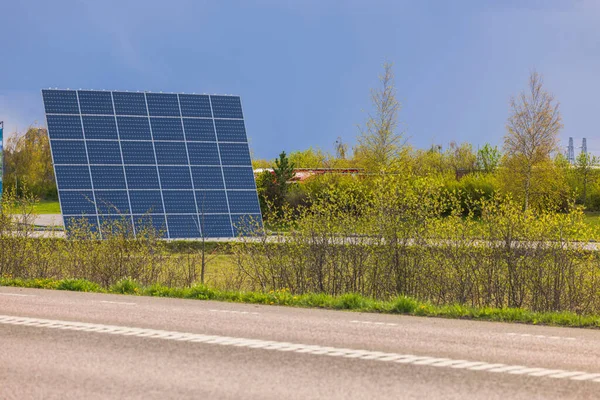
(410, 240)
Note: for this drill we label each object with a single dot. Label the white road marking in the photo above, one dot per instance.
(379, 356)
(17, 294)
(527, 335)
(374, 323)
(117, 302)
(235, 312)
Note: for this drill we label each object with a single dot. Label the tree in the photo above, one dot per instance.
(585, 164)
(488, 158)
(461, 158)
(532, 132)
(284, 171)
(28, 162)
(380, 143)
(341, 148)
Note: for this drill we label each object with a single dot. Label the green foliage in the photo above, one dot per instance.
(488, 158)
(28, 164)
(125, 286)
(78, 285)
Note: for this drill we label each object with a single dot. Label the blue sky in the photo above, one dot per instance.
(304, 68)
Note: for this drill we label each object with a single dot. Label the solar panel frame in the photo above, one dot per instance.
(120, 154)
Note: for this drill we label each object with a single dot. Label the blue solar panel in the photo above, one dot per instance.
(195, 105)
(226, 107)
(77, 202)
(183, 226)
(153, 159)
(166, 128)
(108, 177)
(104, 152)
(207, 178)
(94, 102)
(171, 153)
(231, 130)
(130, 103)
(146, 202)
(73, 176)
(134, 128)
(112, 201)
(142, 177)
(199, 130)
(175, 177)
(243, 201)
(138, 152)
(66, 126)
(216, 225)
(164, 105)
(179, 202)
(211, 201)
(204, 153)
(235, 154)
(60, 101)
(239, 177)
(100, 127)
(68, 152)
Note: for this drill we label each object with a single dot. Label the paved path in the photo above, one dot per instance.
(65, 345)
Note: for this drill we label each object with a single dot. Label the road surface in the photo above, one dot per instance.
(67, 345)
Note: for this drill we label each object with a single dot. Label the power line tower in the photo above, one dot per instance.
(584, 146)
(571, 152)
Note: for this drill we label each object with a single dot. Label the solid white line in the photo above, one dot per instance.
(528, 335)
(17, 294)
(117, 302)
(376, 356)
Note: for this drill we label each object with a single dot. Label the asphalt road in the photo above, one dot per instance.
(78, 345)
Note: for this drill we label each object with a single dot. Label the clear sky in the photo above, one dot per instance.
(304, 67)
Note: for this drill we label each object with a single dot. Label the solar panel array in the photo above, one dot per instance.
(179, 162)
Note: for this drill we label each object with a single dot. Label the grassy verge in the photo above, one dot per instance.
(354, 302)
(46, 207)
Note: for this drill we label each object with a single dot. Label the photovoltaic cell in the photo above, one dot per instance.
(239, 177)
(73, 176)
(226, 107)
(104, 152)
(95, 102)
(112, 201)
(137, 161)
(231, 130)
(134, 128)
(199, 130)
(175, 177)
(99, 127)
(66, 126)
(166, 128)
(193, 105)
(108, 177)
(163, 104)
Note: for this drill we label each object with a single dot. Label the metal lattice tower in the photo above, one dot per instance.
(571, 151)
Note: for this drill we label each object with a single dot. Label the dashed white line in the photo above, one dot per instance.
(374, 323)
(528, 335)
(235, 312)
(423, 361)
(117, 302)
(17, 294)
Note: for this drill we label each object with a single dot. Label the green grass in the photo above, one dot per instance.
(47, 207)
(592, 218)
(353, 302)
